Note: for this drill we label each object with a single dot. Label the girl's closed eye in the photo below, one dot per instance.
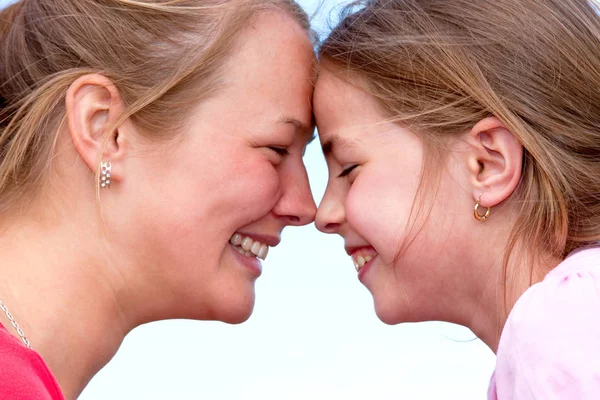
(347, 170)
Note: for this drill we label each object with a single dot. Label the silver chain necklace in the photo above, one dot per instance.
(15, 325)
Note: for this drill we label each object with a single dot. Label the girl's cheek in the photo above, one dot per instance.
(362, 210)
(378, 212)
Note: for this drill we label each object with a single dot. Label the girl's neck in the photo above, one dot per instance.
(500, 293)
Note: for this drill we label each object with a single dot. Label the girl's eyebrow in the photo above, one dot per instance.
(335, 141)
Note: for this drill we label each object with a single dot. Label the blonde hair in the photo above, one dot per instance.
(163, 57)
(439, 67)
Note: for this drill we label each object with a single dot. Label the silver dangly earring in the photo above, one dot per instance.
(105, 170)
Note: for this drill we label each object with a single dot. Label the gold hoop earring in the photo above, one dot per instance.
(105, 171)
(478, 216)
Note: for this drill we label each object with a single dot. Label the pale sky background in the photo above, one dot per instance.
(313, 335)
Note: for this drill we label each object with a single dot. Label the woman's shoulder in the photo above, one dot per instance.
(23, 373)
(550, 344)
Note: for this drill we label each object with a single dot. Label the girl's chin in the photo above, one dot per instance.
(388, 315)
(388, 308)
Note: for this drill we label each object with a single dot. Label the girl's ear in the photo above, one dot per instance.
(495, 161)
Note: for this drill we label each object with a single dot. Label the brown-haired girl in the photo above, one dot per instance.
(463, 145)
(150, 154)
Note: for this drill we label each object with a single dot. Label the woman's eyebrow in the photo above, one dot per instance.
(301, 126)
(306, 130)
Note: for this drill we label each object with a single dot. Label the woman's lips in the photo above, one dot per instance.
(249, 261)
(250, 248)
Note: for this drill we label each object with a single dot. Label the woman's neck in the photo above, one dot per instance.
(66, 295)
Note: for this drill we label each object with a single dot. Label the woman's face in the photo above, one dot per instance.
(375, 169)
(213, 203)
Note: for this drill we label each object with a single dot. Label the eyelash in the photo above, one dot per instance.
(347, 171)
(280, 151)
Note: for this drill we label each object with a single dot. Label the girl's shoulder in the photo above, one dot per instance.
(568, 293)
(550, 345)
(23, 373)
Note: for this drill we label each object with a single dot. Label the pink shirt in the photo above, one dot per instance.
(23, 373)
(550, 345)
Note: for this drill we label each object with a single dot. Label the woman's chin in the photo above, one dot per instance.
(237, 315)
(234, 308)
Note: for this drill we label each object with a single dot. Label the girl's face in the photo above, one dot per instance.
(375, 169)
(211, 206)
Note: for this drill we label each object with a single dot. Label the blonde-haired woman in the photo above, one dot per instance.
(463, 143)
(151, 153)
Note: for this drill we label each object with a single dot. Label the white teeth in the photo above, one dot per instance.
(236, 239)
(244, 252)
(360, 261)
(255, 247)
(264, 250)
(249, 247)
(247, 244)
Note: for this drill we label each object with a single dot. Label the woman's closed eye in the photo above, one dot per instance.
(282, 151)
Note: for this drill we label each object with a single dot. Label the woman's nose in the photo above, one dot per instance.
(296, 205)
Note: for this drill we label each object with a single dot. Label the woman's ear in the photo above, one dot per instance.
(93, 106)
(495, 161)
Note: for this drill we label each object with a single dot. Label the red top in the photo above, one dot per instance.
(23, 373)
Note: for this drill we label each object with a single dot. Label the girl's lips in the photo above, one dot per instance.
(365, 268)
(365, 249)
(362, 256)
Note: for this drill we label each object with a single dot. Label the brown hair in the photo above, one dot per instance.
(441, 66)
(163, 56)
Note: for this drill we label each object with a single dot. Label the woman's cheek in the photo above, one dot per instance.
(270, 185)
(265, 187)
(246, 190)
